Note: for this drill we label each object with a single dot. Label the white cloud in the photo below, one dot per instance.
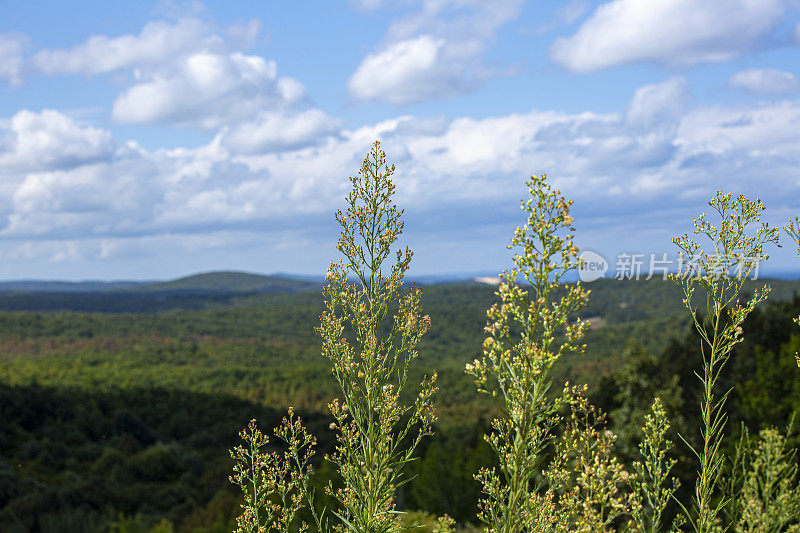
(408, 71)
(435, 52)
(50, 140)
(94, 199)
(765, 81)
(158, 42)
(366, 5)
(742, 132)
(622, 169)
(208, 91)
(61, 180)
(572, 11)
(11, 60)
(186, 75)
(271, 132)
(243, 35)
(639, 161)
(657, 104)
(670, 32)
(566, 14)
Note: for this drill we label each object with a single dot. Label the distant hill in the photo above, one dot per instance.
(613, 301)
(214, 282)
(229, 282)
(67, 286)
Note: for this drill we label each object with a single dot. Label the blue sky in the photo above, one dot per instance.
(151, 140)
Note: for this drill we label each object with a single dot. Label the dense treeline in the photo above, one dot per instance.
(77, 460)
(126, 419)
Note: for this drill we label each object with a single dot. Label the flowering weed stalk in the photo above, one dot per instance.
(652, 480)
(518, 353)
(769, 498)
(275, 484)
(735, 246)
(793, 229)
(377, 432)
(586, 481)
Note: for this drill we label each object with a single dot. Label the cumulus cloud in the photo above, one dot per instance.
(94, 199)
(669, 32)
(63, 180)
(158, 42)
(208, 91)
(411, 70)
(433, 53)
(187, 74)
(11, 60)
(51, 140)
(271, 132)
(657, 104)
(765, 81)
(759, 132)
(636, 165)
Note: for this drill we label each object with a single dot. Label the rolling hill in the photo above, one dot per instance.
(24, 286)
(229, 282)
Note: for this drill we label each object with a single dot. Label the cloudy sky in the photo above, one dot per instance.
(151, 140)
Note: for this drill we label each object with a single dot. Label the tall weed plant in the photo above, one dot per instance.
(768, 498)
(370, 330)
(528, 330)
(734, 248)
(557, 468)
(556, 465)
(377, 432)
(793, 230)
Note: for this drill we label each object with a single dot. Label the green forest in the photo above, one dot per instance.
(117, 409)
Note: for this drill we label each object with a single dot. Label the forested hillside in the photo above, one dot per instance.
(120, 407)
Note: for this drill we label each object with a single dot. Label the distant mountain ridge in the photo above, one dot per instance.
(211, 282)
(233, 282)
(229, 282)
(205, 282)
(67, 286)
